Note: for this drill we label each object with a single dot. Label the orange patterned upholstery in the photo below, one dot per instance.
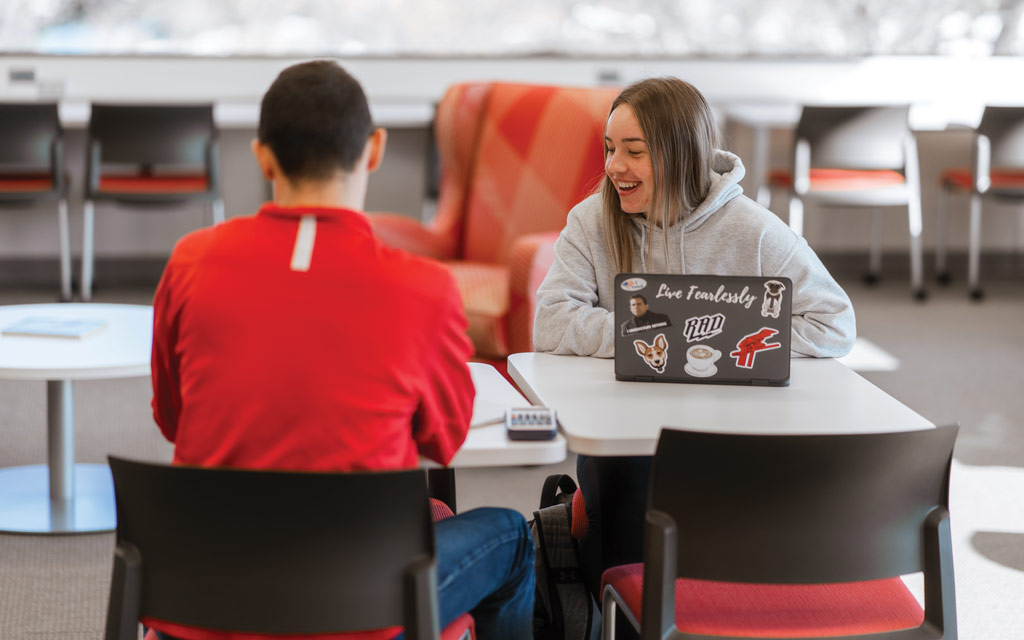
(514, 159)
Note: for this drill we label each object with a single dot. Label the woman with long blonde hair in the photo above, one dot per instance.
(670, 202)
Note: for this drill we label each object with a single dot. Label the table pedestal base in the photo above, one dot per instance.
(26, 507)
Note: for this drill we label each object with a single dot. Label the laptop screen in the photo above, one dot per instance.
(704, 329)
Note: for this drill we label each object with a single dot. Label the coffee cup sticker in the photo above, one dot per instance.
(772, 299)
(655, 354)
(700, 361)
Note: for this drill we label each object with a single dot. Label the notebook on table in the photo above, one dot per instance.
(704, 329)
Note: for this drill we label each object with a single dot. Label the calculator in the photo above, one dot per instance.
(531, 423)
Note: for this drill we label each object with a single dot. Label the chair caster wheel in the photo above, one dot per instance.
(871, 279)
(944, 278)
(977, 294)
(920, 295)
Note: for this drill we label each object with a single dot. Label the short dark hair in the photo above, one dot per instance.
(638, 295)
(315, 119)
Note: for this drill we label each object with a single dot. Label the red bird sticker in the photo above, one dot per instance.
(747, 348)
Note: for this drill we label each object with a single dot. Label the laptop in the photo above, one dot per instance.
(703, 329)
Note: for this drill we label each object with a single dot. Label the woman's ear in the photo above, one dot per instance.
(375, 148)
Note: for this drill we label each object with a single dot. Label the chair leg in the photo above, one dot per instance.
(87, 249)
(941, 223)
(915, 226)
(217, 210)
(974, 251)
(64, 231)
(875, 251)
(609, 609)
(796, 215)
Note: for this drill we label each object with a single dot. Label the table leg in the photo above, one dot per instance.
(441, 485)
(60, 497)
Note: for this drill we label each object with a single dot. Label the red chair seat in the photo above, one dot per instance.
(25, 183)
(454, 631)
(777, 611)
(840, 179)
(154, 184)
(962, 178)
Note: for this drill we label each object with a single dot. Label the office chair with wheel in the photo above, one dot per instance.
(273, 552)
(32, 169)
(146, 157)
(771, 536)
(996, 173)
(857, 157)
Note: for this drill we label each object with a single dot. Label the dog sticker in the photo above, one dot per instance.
(655, 355)
(747, 348)
(772, 299)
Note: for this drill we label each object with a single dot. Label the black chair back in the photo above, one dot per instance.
(802, 509)
(272, 552)
(862, 138)
(137, 138)
(31, 144)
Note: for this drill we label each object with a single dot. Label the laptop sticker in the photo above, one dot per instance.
(642, 317)
(747, 348)
(699, 328)
(772, 299)
(700, 361)
(656, 354)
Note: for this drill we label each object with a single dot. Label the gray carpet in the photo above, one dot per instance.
(958, 361)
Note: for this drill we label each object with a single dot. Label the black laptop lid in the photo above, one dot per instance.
(705, 329)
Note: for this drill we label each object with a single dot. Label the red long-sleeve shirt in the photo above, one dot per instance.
(357, 363)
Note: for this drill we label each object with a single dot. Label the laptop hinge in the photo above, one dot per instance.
(760, 383)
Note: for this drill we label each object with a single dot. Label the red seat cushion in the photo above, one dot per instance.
(154, 184)
(961, 178)
(777, 611)
(458, 627)
(840, 179)
(25, 183)
(578, 530)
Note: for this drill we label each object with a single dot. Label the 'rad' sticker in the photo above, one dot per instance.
(772, 299)
(633, 284)
(700, 328)
(656, 354)
(747, 348)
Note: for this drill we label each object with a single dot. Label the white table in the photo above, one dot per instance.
(603, 417)
(487, 444)
(61, 496)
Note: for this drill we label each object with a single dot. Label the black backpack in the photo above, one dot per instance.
(564, 608)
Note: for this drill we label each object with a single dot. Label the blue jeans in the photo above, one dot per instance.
(485, 567)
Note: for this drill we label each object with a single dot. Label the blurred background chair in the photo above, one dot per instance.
(295, 553)
(514, 159)
(32, 169)
(793, 536)
(146, 157)
(857, 157)
(996, 172)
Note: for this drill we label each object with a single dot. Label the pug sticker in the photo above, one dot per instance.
(772, 299)
(655, 355)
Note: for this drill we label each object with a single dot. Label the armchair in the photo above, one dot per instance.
(514, 159)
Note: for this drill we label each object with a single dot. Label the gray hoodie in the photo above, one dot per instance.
(727, 234)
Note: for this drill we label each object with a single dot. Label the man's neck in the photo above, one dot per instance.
(332, 193)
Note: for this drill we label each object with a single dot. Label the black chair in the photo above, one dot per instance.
(148, 156)
(857, 156)
(793, 536)
(272, 552)
(996, 172)
(32, 169)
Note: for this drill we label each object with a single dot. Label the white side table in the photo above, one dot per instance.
(61, 496)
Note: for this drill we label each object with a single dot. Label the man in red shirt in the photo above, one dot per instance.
(265, 355)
